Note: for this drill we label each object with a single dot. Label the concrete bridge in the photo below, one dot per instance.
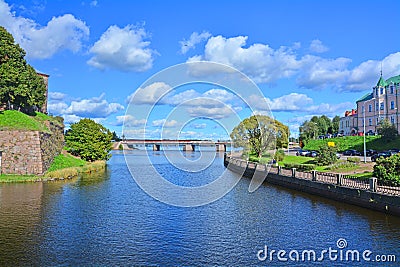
(185, 145)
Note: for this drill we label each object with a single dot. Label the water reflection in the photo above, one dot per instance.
(105, 219)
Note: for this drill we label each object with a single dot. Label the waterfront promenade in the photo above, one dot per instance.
(367, 193)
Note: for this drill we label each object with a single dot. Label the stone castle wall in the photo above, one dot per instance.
(30, 152)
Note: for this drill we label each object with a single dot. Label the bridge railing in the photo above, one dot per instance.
(371, 184)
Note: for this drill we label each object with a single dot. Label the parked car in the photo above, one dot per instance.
(393, 151)
(351, 152)
(384, 154)
(312, 154)
(302, 152)
(338, 155)
(370, 152)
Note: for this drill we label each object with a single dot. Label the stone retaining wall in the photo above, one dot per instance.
(363, 198)
(30, 152)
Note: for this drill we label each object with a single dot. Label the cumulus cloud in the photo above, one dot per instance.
(319, 73)
(214, 103)
(96, 108)
(123, 49)
(213, 113)
(61, 33)
(317, 46)
(259, 61)
(165, 123)
(194, 39)
(264, 64)
(56, 96)
(129, 121)
(297, 102)
(198, 125)
(149, 94)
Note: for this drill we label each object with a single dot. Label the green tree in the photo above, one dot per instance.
(387, 130)
(20, 86)
(387, 170)
(259, 133)
(89, 140)
(335, 124)
(115, 137)
(326, 155)
(308, 130)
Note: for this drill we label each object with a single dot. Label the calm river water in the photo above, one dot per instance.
(106, 220)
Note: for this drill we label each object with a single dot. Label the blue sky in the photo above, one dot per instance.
(307, 57)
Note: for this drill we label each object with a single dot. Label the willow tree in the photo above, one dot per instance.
(259, 133)
(20, 86)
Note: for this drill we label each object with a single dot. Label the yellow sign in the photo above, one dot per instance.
(331, 144)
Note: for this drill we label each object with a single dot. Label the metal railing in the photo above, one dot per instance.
(371, 184)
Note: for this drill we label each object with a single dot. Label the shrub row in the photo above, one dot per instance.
(300, 167)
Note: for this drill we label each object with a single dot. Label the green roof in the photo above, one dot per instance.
(381, 82)
(394, 79)
(365, 98)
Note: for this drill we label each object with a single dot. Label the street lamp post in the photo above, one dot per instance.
(365, 145)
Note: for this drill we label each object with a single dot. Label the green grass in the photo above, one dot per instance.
(65, 161)
(297, 160)
(11, 178)
(15, 120)
(353, 142)
(363, 175)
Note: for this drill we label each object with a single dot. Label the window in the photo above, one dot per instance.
(381, 90)
(392, 105)
(370, 122)
(370, 108)
(376, 91)
(391, 89)
(392, 119)
(377, 106)
(382, 106)
(377, 121)
(362, 109)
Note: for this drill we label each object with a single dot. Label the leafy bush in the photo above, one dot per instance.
(387, 170)
(326, 155)
(342, 165)
(300, 167)
(89, 140)
(279, 155)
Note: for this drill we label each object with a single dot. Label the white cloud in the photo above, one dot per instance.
(123, 49)
(93, 3)
(297, 102)
(56, 108)
(264, 64)
(149, 94)
(129, 121)
(165, 123)
(69, 119)
(57, 96)
(198, 125)
(194, 39)
(319, 73)
(317, 46)
(95, 108)
(259, 61)
(366, 75)
(61, 33)
(213, 113)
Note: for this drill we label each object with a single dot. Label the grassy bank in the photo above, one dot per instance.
(354, 142)
(64, 166)
(15, 120)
